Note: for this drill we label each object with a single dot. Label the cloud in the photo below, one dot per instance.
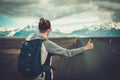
(53, 9)
(112, 7)
(14, 7)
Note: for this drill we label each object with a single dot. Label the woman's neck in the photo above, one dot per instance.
(43, 34)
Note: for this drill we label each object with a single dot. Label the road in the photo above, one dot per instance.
(101, 63)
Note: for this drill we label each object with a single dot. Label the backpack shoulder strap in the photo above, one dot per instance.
(38, 45)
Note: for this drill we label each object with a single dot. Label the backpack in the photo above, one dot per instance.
(29, 60)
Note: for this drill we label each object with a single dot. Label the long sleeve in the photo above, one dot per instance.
(55, 49)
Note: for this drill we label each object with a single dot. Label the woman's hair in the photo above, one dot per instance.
(44, 24)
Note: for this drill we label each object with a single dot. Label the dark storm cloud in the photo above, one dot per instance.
(53, 9)
(13, 7)
(112, 7)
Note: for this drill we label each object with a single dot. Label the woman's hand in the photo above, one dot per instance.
(89, 45)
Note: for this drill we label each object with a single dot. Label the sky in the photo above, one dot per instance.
(19, 13)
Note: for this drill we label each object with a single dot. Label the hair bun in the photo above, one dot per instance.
(44, 24)
(42, 20)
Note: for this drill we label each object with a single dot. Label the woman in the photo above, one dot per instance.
(49, 47)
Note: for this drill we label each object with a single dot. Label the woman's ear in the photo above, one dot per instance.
(48, 30)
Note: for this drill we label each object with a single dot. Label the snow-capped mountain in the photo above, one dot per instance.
(87, 31)
(75, 25)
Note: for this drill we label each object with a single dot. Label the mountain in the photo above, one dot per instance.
(4, 33)
(24, 33)
(98, 33)
(90, 31)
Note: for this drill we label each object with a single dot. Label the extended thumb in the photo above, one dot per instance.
(89, 41)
